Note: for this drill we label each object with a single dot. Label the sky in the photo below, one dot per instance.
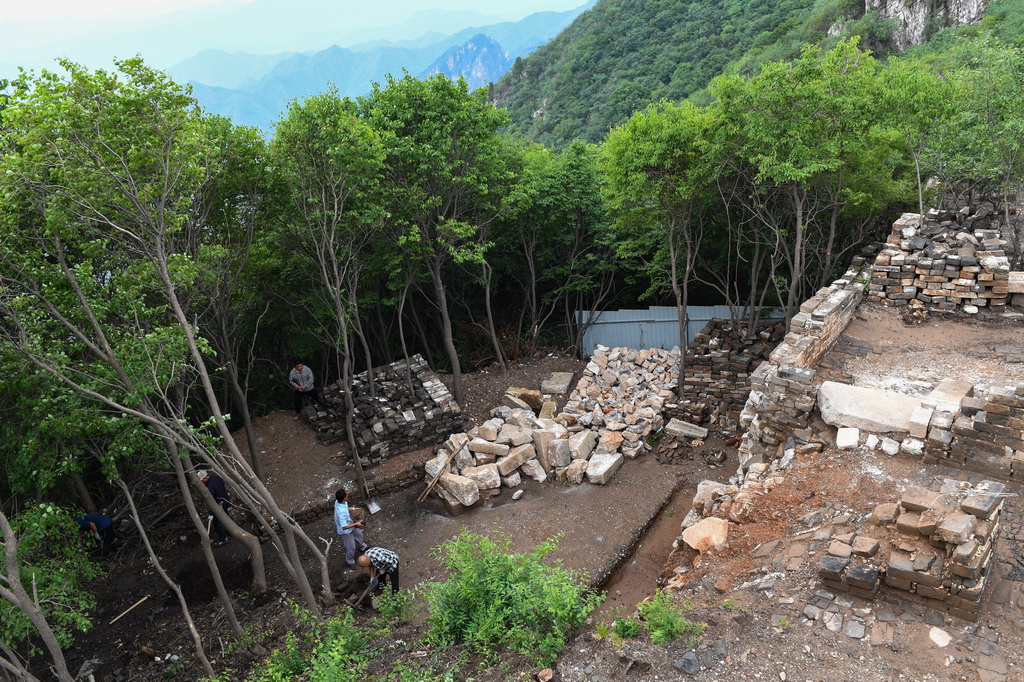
(17, 10)
(166, 32)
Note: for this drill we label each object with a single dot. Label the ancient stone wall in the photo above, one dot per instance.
(946, 260)
(719, 362)
(985, 435)
(941, 554)
(412, 408)
(783, 393)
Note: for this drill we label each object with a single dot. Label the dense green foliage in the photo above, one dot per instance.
(663, 618)
(55, 571)
(494, 598)
(625, 54)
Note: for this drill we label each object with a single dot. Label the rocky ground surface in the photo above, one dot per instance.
(767, 616)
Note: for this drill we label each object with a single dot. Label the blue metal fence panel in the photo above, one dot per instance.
(655, 327)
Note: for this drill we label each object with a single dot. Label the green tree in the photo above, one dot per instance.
(659, 175)
(42, 587)
(802, 137)
(917, 102)
(99, 212)
(445, 173)
(331, 162)
(559, 236)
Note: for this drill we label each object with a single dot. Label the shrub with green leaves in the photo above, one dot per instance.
(53, 568)
(496, 598)
(664, 620)
(332, 651)
(626, 628)
(400, 605)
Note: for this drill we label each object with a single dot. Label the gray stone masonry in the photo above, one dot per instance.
(944, 259)
(399, 419)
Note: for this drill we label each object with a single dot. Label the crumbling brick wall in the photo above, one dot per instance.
(783, 393)
(408, 412)
(945, 259)
(986, 434)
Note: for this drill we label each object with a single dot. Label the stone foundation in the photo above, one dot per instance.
(719, 362)
(401, 418)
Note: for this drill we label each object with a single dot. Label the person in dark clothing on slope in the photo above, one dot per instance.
(215, 484)
(101, 527)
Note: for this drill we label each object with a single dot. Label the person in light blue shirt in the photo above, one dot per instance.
(351, 532)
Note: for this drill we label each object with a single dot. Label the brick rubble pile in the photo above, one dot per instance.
(613, 408)
(408, 412)
(947, 260)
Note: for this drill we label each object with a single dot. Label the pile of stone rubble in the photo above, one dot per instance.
(614, 407)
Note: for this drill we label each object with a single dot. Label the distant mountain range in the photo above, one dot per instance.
(255, 89)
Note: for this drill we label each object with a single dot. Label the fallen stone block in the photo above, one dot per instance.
(515, 458)
(486, 477)
(533, 469)
(466, 491)
(603, 466)
(920, 418)
(557, 384)
(509, 400)
(869, 409)
(490, 428)
(575, 472)
(481, 445)
(681, 429)
(847, 438)
(710, 533)
(533, 399)
(707, 492)
(582, 444)
(949, 393)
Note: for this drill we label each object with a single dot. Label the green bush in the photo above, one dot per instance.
(55, 570)
(626, 628)
(664, 620)
(400, 605)
(332, 651)
(496, 598)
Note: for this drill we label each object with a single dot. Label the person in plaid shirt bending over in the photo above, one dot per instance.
(382, 563)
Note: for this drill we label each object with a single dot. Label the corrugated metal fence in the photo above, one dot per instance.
(656, 327)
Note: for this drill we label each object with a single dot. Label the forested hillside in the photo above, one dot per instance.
(625, 54)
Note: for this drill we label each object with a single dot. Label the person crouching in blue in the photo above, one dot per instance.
(101, 528)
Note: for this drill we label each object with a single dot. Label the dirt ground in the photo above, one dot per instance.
(621, 536)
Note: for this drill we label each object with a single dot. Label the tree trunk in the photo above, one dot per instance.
(446, 329)
(211, 561)
(242, 404)
(83, 494)
(490, 317)
(197, 641)
(401, 336)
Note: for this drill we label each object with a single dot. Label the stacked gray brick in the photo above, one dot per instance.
(986, 436)
(946, 260)
(955, 530)
(398, 420)
(719, 364)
